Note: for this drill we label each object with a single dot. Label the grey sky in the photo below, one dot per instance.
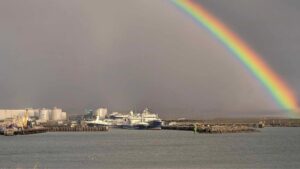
(271, 27)
(132, 54)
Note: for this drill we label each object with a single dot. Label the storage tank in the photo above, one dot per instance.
(2, 115)
(37, 113)
(30, 112)
(102, 112)
(44, 115)
(56, 114)
(64, 116)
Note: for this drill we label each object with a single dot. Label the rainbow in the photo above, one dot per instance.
(280, 92)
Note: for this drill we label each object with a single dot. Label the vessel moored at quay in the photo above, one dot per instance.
(144, 120)
(46, 120)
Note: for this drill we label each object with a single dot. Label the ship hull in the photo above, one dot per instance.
(152, 125)
(155, 125)
(134, 127)
(96, 125)
(140, 127)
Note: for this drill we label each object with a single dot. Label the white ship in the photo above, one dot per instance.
(145, 120)
(116, 119)
(97, 122)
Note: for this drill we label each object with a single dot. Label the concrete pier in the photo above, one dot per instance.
(31, 131)
(12, 132)
(77, 129)
(53, 129)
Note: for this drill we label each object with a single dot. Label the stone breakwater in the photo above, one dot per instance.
(213, 129)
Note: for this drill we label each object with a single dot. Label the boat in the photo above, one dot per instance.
(9, 132)
(140, 125)
(133, 121)
(97, 122)
(145, 120)
(155, 124)
(116, 119)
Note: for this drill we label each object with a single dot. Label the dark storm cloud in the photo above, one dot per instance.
(132, 54)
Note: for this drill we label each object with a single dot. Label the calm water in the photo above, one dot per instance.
(274, 148)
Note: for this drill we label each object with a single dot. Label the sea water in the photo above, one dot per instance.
(272, 148)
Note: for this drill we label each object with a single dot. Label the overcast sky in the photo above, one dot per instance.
(138, 53)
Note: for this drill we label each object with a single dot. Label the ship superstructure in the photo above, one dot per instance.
(144, 120)
(97, 122)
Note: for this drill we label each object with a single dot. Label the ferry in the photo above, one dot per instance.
(155, 124)
(116, 119)
(145, 120)
(97, 122)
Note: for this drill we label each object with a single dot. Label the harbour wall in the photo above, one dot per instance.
(77, 129)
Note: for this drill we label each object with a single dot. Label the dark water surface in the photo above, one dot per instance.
(273, 148)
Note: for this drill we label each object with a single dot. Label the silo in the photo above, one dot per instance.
(56, 114)
(2, 115)
(101, 112)
(64, 116)
(37, 113)
(30, 112)
(44, 115)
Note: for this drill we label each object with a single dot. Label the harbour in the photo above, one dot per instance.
(100, 120)
(102, 139)
(140, 84)
(39, 121)
(272, 148)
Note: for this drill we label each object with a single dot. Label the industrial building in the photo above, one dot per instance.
(42, 115)
(13, 113)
